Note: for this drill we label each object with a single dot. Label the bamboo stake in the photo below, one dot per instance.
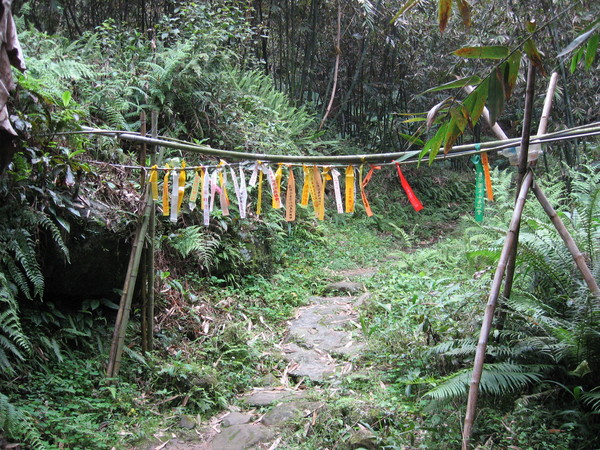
(118, 340)
(570, 243)
(543, 125)
(507, 249)
(152, 243)
(144, 258)
(523, 156)
(142, 156)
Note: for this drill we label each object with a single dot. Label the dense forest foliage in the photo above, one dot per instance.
(313, 77)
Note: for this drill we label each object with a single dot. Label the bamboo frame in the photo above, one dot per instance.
(568, 240)
(571, 133)
(507, 249)
(116, 349)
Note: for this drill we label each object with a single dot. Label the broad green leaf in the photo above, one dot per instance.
(66, 98)
(530, 26)
(452, 134)
(486, 52)
(436, 142)
(456, 84)
(475, 101)
(408, 155)
(408, 5)
(444, 8)
(575, 59)
(495, 100)
(534, 55)
(411, 138)
(432, 114)
(465, 12)
(510, 80)
(460, 117)
(580, 39)
(414, 119)
(591, 51)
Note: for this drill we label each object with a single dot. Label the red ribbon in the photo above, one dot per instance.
(412, 198)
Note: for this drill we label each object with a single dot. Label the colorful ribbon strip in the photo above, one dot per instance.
(479, 188)
(290, 198)
(412, 198)
(350, 190)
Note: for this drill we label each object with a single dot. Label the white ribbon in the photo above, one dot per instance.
(272, 182)
(174, 196)
(254, 175)
(336, 189)
(243, 194)
(206, 197)
(236, 188)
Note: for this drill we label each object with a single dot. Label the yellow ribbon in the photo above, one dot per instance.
(165, 193)
(195, 187)
(305, 186)
(153, 180)
(260, 186)
(276, 199)
(326, 177)
(350, 189)
(315, 189)
(181, 191)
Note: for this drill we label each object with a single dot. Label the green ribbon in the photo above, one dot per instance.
(479, 188)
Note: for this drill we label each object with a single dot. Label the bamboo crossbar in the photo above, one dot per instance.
(588, 130)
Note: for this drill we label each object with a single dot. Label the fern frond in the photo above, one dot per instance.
(194, 240)
(496, 379)
(19, 425)
(592, 399)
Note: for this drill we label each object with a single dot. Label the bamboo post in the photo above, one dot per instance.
(151, 244)
(522, 168)
(118, 340)
(508, 248)
(570, 243)
(142, 156)
(143, 285)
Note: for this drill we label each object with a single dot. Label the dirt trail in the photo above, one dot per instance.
(320, 346)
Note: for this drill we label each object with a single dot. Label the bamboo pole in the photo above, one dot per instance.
(522, 169)
(118, 340)
(569, 242)
(338, 53)
(143, 285)
(588, 130)
(151, 244)
(142, 156)
(507, 249)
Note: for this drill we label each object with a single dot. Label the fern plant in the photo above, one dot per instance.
(552, 320)
(13, 341)
(194, 241)
(17, 424)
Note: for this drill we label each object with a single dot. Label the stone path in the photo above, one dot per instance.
(321, 343)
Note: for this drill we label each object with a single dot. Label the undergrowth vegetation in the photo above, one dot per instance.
(224, 292)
